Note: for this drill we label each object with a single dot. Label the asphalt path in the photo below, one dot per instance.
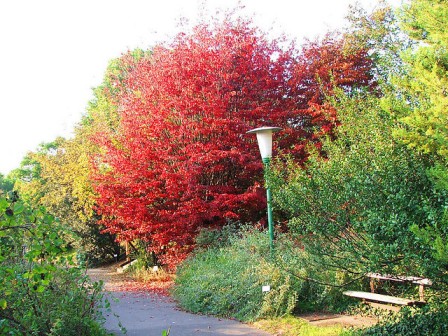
(146, 313)
(150, 314)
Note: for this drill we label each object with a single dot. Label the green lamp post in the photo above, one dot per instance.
(264, 138)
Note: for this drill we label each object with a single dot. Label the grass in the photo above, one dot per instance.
(149, 275)
(293, 326)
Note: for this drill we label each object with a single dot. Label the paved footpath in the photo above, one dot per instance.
(150, 314)
(144, 313)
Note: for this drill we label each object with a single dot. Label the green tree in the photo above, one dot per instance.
(422, 92)
(56, 176)
(27, 176)
(353, 204)
(420, 101)
(379, 33)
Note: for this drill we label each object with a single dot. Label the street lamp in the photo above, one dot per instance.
(264, 138)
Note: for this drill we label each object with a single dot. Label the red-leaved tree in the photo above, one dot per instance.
(321, 67)
(180, 159)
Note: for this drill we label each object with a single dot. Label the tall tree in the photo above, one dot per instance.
(179, 161)
(420, 101)
(423, 107)
(379, 34)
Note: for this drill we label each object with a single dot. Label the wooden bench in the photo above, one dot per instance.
(387, 301)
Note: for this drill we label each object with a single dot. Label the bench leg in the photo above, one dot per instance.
(372, 285)
(420, 292)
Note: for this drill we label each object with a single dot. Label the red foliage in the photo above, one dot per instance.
(321, 67)
(180, 160)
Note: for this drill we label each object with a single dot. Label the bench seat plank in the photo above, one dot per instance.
(400, 278)
(381, 298)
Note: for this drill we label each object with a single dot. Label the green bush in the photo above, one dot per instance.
(319, 287)
(42, 292)
(221, 237)
(428, 321)
(361, 198)
(227, 281)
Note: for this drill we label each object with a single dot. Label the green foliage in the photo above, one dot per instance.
(42, 292)
(435, 236)
(429, 321)
(420, 97)
(377, 32)
(352, 205)
(6, 183)
(425, 20)
(216, 238)
(318, 286)
(415, 62)
(420, 101)
(227, 280)
(56, 177)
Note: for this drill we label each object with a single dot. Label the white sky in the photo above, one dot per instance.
(53, 52)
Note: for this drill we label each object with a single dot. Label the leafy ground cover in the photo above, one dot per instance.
(431, 320)
(42, 291)
(227, 280)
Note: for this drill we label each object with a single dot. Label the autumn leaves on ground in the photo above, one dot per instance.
(118, 281)
(162, 162)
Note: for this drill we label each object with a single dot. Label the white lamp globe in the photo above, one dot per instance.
(264, 138)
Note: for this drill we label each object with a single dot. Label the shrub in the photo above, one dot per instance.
(361, 198)
(220, 237)
(319, 287)
(427, 321)
(42, 292)
(227, 281)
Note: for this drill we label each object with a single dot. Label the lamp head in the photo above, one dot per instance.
(264, 138)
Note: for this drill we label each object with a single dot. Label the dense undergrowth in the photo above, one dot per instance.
(227, 278)
(42, 291)
(431, 320)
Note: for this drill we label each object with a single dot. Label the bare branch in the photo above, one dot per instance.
(25, 226)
